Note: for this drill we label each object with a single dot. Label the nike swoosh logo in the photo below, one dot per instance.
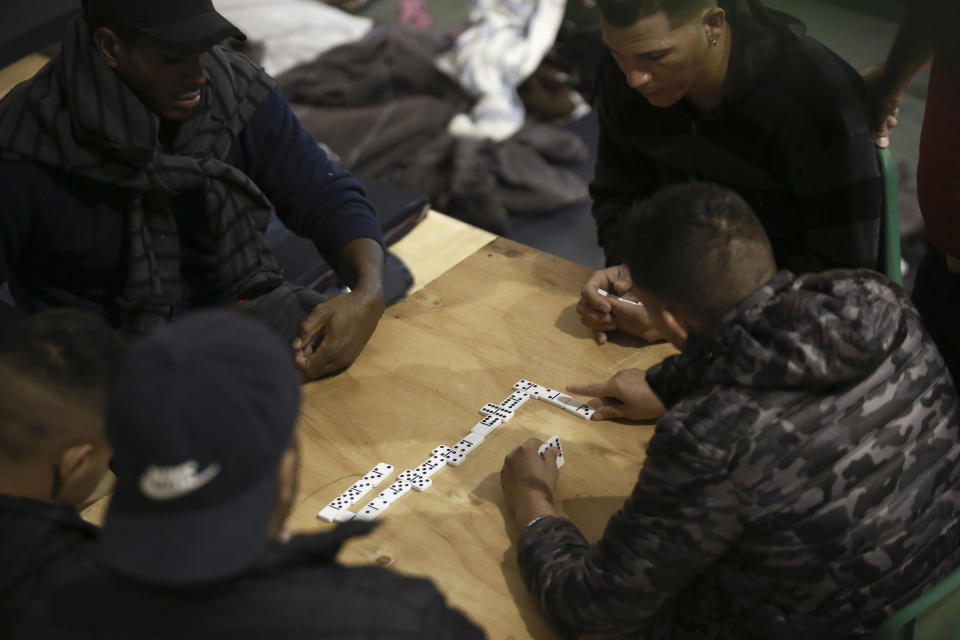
(169, 483)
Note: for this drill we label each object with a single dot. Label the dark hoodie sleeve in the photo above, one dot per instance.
(682, 515)
(621, 176)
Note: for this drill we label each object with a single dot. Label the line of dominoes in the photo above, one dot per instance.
(419, 478)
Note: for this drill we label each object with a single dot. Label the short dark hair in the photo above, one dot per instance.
(698, 246)
(127, 35)
(626, 13)
(65, 356)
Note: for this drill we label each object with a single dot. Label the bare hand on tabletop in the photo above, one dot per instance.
(343, 325)
(529, 480)
(883, 102)
(602, 314)
(625, 395)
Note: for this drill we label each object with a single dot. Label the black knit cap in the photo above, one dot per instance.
(188, 25)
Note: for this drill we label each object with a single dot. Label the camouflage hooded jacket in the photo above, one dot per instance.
(804, 482)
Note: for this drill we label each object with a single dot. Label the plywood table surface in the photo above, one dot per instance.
(437, 244)
(504, 313)
(19, 71)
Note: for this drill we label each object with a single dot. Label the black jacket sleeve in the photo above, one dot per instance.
(622, 175)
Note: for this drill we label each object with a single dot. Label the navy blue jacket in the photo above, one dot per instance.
(63, 238)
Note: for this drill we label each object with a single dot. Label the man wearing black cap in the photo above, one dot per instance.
(139, 169)
(193, 541)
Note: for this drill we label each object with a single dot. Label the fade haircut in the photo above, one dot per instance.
(56, 363)
(127, 35)
(697, 246)
(626, 13)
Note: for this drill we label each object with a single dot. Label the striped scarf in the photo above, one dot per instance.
(76, 115)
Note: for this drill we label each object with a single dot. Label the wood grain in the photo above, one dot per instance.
(22, 69)
(437, 244)
(505, 313)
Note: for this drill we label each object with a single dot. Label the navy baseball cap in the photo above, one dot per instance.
(189, 25)
(202, 414)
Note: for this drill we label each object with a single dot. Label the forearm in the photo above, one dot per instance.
(535, 507)
(569, 588)
(608, 215)
(360, 266)
(621, 176)
(913, 46)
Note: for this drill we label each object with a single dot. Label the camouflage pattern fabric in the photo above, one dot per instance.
(804, 482)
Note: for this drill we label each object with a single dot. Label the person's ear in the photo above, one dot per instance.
(108, 46)
(71, 471)
(288, 476)
(713, 20)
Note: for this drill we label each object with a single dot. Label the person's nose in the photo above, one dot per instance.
(193, 71)
(638, 78)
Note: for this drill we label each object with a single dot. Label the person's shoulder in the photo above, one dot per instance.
(38, 520)
(709, 420)
(273, 109)
(824, 86)
(268, 128)
(405, 605)
(367, 584)
(308, 562)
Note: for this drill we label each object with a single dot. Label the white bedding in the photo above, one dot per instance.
(293, 31)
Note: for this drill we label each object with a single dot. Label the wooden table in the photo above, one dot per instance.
(23, 69)
(504, 313)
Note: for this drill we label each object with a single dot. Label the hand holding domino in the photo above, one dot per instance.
(554, 443)
(608, 295)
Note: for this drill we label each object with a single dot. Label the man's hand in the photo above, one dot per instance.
(335, 332)
(883, 102)
(602, 314)
(342, 325)
(529, 481)
(625, 395)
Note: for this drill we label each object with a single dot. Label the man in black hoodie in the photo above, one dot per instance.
(55, 373)
(803, 478)
(739, 95)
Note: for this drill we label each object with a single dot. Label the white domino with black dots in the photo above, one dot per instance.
(420, 477)
(553, 442)
(486, 426)
(338, 511)
(460, 450)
